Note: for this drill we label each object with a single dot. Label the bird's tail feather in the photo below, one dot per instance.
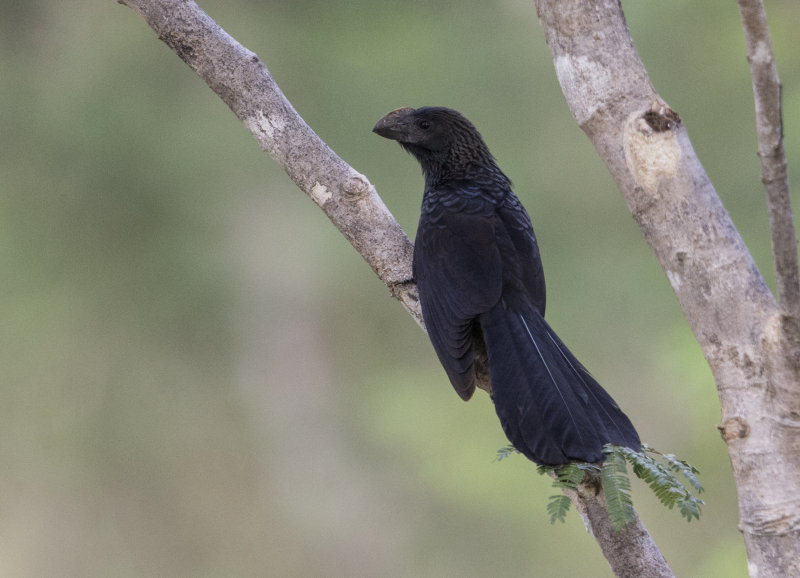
(551, 408)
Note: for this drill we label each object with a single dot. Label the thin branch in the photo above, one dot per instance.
(625, 561)
(769, 123)
(243, 82)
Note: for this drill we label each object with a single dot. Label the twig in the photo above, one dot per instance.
(769, 123)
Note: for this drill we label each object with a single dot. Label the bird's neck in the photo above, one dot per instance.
(484, 174)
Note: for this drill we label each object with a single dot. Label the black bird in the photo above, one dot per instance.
(481, 287)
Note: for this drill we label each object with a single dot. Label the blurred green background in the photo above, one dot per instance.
(200, 377)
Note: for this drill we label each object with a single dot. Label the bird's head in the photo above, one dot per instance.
(441, 139)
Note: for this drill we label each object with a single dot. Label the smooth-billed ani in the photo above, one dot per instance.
(482, 291)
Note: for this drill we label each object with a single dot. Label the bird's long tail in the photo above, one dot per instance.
(551, 408)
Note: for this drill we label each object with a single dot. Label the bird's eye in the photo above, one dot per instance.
(424, 124)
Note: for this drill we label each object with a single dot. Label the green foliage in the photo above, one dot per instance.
(567, 477)
(660, 476)
(659, 473)
(557, 507)
(617, 489)
(570, 475)
(505, 452)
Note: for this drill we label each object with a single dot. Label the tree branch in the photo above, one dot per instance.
(631, 552)
(774, 175)
(243, 82)
(725, 300)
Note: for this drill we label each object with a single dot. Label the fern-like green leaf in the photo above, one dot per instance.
(568, 476)
(506, 452)
(660, 476)
(557, 508)
(617, 489)
(690, 507)
(661, 479)
(688, 471)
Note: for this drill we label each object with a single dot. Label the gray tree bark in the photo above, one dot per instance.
(774, 174)
(745, 336)
(747, 339)
(243, 82)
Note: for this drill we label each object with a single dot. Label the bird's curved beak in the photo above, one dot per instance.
(391, 126)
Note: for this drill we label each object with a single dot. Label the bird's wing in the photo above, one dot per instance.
(459, 273)
(523, 277)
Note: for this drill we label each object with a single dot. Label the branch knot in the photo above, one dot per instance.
(357, 187)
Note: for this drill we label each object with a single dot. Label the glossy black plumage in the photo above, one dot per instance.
(481, 287)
